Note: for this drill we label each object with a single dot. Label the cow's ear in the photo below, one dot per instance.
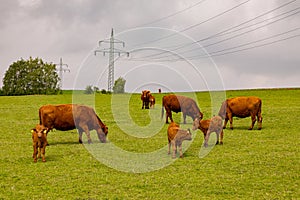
(45, 130)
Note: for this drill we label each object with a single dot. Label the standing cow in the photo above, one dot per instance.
(152, 101)
(70, 116)
(242, 107)
(145, 97)
(175, 138)
(39, 142)
(182, 104)
(209, 126)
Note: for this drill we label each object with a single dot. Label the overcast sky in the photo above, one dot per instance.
(253, 44)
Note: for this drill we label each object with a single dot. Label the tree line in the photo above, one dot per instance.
(34, 76)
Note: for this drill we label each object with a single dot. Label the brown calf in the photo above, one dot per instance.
(175, 137)
(152, 101)
(208, 126)
(39, 142)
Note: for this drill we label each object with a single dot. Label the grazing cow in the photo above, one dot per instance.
(39, 142)
(145, 97)
(242, 107)
(175, 137)
(152, 101)
(208, 126)
(182, 104)
(70, 116)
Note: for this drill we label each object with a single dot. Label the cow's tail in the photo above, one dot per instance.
(162, 108)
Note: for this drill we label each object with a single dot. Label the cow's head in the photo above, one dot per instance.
(145, 94)
(102, 133)
(39, 131)
(222, 111)
(184, 134)
(196, 124)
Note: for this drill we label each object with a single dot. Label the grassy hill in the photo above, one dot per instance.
(251, 164)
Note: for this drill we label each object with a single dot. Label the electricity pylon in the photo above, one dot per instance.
(112, 51)
(62, 68)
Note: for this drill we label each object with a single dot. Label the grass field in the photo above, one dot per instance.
(250, 165)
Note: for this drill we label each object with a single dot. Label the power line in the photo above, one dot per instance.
(226, 51)
(237, 35)
(171, 15)
(195, 25)
(231, 29)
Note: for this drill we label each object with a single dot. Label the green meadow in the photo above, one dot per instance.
(257, 164)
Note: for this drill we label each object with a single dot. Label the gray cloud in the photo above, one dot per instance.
(54, 29)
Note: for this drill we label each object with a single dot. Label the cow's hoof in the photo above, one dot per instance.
(250, 129)
(221, 143)
(90, 141)
(80, 141)
(34, 161)
(231, 128)
(181, 156)
(44, 160)
(259, 128)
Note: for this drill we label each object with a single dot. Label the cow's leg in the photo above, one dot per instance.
(35, 152)
(147, 105)
(221, 136)
(231, 121)
(80, 136)
(169, 114)
(143, 104)
(174, 148)
(206, 138)
(225, 123)
(180, 151)
(39, 151)
(184, 118)
(253, 119)
(259, 121)
(43, 150)
(85, 128)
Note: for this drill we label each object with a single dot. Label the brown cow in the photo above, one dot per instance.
(209, 126)
(152, 101)
(175, 137)
(39, 142)
(242, 107)
(70, 116)
(145, 97)
(182, 104)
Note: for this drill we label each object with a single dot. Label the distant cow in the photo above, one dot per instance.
(175, 137)
(242, 107)
(70, 116)
(145, 97)
(182, 104)
(39, 142)
(209, 126)
(152, 101)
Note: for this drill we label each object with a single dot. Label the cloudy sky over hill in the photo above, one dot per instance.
(174, 45)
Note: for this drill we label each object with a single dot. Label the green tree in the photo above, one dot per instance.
(89, 90)
(33, 76)
(119, 86)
